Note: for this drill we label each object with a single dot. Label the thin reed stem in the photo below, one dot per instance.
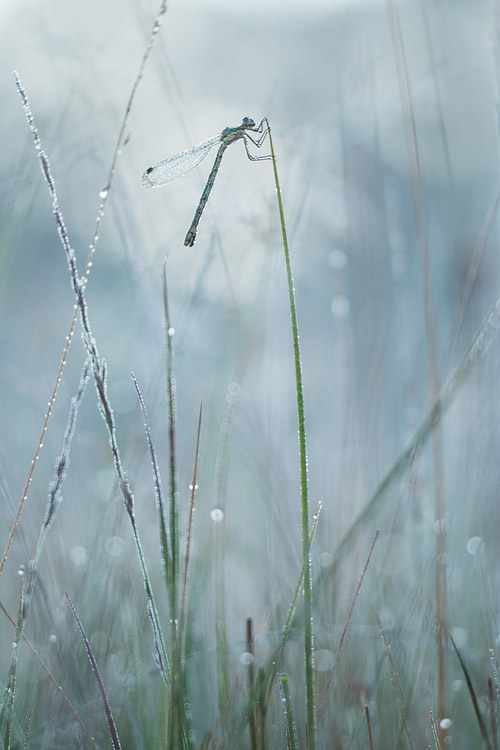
(398, 693)
(107, 708)
(344, 632)
(311, 739)
(291, 729)
(420, 208)
(434, 730)
(369, 727)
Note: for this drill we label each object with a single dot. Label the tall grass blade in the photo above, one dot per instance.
(100, 377)
(173, 511)
(420, 209)
(493, 713)
(434, 730)
(291, 728)
(272, 665)
(344, 632)
(218, 518)
(165, 550)
(9, 692)
(54, 499)
(475, 353)
(95, 669)
(100, 214)
(251, 682)
(311, 739)
(398, 693)
(51, 677)
(189, 536)
(369, 727)
(473, 696)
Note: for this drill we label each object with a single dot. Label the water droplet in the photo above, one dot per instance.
(246, 659)
(337, 259)
(323, 660)
(52, 638)
(79, 556)
(340, 306)
(171, 331)
(445, 723)
(115, 546)
(104, 193)
(326, 560)
(217, 515)
(475, 545)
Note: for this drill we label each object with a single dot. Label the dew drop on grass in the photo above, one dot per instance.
(445, 723)
(475, 545)
(171, 331)
(246, 658)
(337, 259)
(326, 559)
(104, 193)
(52, 638)
(79, 556)
(323, 660)
(340, 306)
(115, 546)
(217, 515)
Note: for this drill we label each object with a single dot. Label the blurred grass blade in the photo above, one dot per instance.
(344, 632)
(369, 728)
(95, 669)
(173, 512)
(475, 353)
(251, 713)
(395, 683)
(493, 713)
(472, 693)
(9, 692)
(189, 533)
(51, 677)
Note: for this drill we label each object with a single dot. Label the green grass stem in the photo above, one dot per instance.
(311, 740)
(291, 729)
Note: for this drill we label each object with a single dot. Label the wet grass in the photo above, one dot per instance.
(168, 671)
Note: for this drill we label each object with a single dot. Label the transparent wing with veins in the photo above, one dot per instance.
(178, 165)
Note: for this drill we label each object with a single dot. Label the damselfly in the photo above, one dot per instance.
(177, 166)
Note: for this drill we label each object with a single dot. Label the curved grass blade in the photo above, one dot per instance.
(472, 693)
(109, 716)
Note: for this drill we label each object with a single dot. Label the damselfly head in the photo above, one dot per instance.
(247, 122)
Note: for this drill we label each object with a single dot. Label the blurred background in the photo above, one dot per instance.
(326, 76)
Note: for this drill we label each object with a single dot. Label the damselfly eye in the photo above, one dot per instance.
(248, 122)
